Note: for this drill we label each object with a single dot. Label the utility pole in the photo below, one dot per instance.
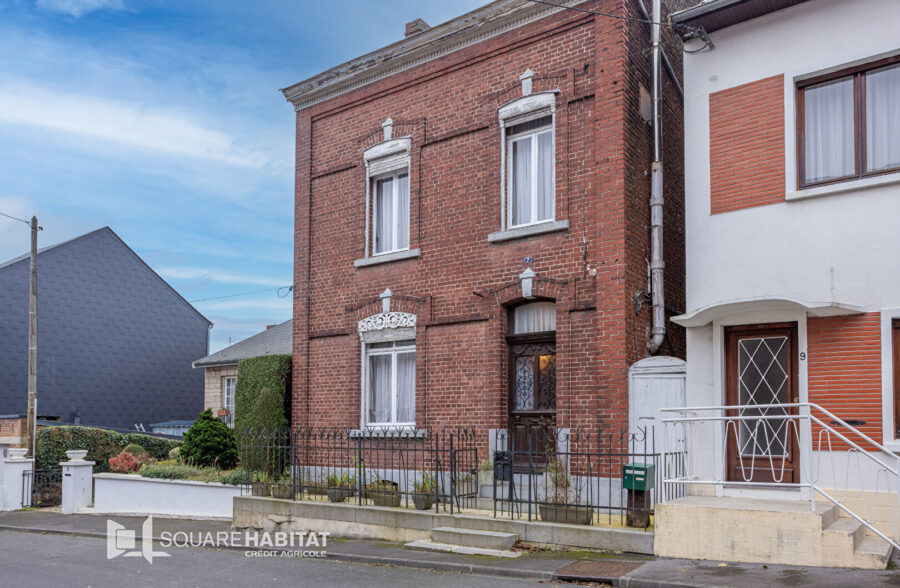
(31, 421)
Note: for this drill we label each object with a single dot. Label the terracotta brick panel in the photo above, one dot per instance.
(845, 368)
(746, 143)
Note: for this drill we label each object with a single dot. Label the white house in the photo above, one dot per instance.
(792, 143)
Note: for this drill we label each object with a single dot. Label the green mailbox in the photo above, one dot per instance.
(638, 476)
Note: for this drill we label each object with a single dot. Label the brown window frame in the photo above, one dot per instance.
(858, 74)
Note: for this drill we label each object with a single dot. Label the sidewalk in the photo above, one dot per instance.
(613, 569)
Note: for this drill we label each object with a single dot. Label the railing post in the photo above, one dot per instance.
(452, 476)
(77, 482)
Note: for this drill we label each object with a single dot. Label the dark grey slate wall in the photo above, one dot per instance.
(115, 343)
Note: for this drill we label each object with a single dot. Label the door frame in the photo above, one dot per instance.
(731, 334)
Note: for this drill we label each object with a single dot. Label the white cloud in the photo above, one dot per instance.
(213, 275)
(78, 8)
(132, 124)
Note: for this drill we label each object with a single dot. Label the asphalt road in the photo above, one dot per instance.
(29, 559)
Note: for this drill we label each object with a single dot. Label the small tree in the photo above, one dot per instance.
(209, 442)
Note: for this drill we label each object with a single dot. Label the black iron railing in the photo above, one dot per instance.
(42, 487)
(422, 469)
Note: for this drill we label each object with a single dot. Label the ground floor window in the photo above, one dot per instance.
(229, 385)
(391, 383)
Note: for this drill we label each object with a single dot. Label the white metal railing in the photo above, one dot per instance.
(766, 445)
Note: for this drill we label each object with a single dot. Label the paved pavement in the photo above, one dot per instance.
(442, 569)
(29, 559)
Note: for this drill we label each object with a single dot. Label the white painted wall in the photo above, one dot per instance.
(836, 247)
(831, 244)
(132, 494)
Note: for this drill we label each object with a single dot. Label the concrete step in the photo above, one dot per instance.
(845, 532)
(474, 538)
(425, 545)
(872, 552)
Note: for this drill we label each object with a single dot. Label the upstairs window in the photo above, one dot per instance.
(849, 123)
(531, 171)
(390, 207)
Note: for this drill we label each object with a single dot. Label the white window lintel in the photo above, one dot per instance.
(387, 148)
(525, 105)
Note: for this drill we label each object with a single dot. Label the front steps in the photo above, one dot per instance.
(766, 531)
(469, 542)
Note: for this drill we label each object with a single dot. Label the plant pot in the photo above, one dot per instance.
(564, 513)
(423, 501)
(223, 412)
(315, 488)
(76, 454)
(338, 494)
(17, 452)
(261, 489)
(282, 491)
(485, 478)
(385, 497)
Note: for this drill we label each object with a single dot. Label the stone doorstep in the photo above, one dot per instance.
(426, 545)
(365, 521)
(474, 538)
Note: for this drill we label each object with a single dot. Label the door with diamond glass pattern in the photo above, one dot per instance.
(532, 398)
(761, 373)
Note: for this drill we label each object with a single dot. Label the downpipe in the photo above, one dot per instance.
(657, 265)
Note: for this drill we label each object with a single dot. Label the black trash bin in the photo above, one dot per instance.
(503, 466)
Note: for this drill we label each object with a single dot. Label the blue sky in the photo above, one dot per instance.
(163, 120)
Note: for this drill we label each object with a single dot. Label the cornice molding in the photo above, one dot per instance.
(467, 30)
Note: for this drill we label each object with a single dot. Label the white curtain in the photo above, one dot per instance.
(545, 177)
(384, 215)
(406, 387)
(403, 211)
(828, 118)
(883, 119)
(380, 389)
(537, 317)
(521, 178)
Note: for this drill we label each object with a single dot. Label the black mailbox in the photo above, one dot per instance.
(503, 466)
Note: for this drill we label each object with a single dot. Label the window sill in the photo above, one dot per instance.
(387, 258)
(396, 432)
(529, 231)
(841, 187)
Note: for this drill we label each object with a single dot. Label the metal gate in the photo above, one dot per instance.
(42, 487)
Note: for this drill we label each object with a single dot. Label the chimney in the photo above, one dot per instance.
(415, 27)
(270, 327)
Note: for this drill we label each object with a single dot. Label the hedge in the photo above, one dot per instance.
(262, 400)
(53, 442)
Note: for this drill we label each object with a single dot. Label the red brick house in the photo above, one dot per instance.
(471, 223)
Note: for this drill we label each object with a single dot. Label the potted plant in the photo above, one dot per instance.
(283, 489)
(262, 484)
(559, 507)
(384, 493)
(340, 486)
(315, 487)
(423, 498)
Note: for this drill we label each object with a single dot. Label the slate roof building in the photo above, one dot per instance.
(115, 340)
(221, 367)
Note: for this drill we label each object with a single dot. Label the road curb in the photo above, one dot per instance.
(441, 566)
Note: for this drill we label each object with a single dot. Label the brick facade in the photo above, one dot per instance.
(461, 285)
(845, 367)
(12, 431)
(746, 145)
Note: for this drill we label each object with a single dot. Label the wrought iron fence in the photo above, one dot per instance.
(42, 488)
(382, 467)
(579, 476)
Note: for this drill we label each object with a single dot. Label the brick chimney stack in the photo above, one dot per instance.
(415, 27)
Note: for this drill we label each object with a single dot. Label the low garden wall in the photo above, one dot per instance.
(132, 494)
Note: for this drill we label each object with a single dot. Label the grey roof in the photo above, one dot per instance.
(115, 341)
(173, 424)
(483, 23)
(273, 341)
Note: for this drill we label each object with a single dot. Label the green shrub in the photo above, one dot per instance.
(209, 442)
(169, 471)
(175, 453)
(237, 477)
(101, 445)
(135, 449)
(262, 401)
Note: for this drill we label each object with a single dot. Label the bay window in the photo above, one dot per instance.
(849, 123)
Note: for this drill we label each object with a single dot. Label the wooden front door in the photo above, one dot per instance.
(532, 397)
(761, 371)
